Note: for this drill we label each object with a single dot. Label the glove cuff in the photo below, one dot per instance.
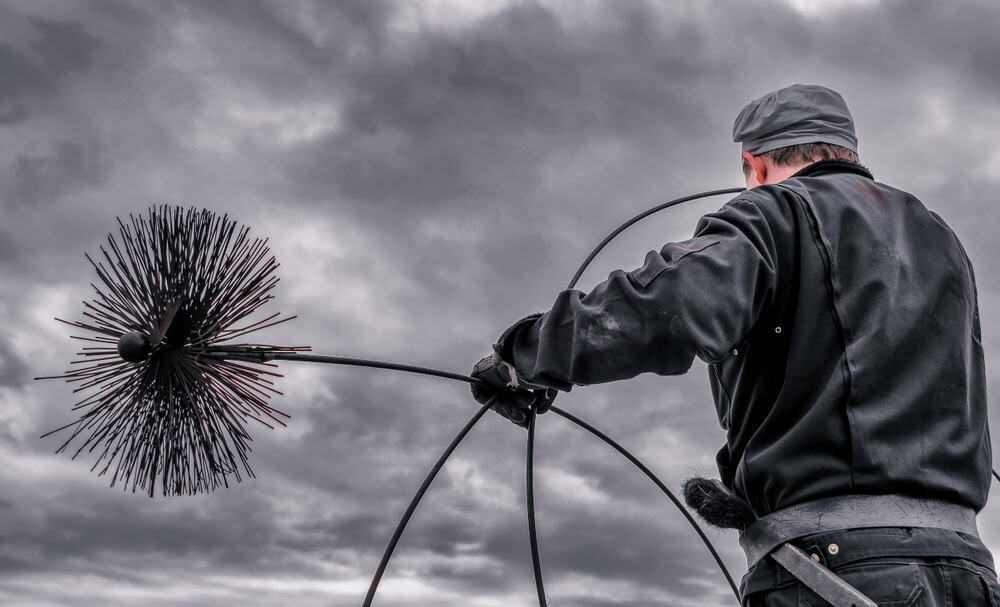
(504, 351)
(505, 344)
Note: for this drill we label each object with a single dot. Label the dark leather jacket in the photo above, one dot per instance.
(838, 318)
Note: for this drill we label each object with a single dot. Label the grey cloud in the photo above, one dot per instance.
(63, 47)
(643, 552)
(41, 180)
(639, 551)
(57, 50)
(477, 163)
(886, 44)
(475, 116)
(363, 531)
(11, 110)
(287, 50)
(17, 73)
(140, 528)
(13, 368)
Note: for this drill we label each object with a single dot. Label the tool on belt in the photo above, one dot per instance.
(770, 535)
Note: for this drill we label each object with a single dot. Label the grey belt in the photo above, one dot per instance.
(852, 512)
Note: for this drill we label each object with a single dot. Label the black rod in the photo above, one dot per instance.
(344, 360)
(639, 217)
(529, 474)
(529, 467)
(649, 473)
(416, 500)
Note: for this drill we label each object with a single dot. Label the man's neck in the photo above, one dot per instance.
(777, 174)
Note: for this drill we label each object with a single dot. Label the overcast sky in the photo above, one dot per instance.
(427, 173)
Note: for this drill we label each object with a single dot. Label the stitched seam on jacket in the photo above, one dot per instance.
(824, 249)
(644, 281)
(725, 391)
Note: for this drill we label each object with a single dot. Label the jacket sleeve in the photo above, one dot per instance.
(696, 297)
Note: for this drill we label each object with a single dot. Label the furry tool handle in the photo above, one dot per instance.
(717, 505)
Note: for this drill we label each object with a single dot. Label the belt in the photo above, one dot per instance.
(852, 512)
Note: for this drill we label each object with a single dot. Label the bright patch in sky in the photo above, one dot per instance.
(814, 8)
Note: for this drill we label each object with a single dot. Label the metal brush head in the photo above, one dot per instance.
(170, 392)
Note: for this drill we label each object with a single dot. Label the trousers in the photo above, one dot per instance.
(894, 566)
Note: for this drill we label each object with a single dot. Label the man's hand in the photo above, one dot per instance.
(510, 398)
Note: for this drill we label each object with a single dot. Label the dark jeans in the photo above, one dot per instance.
(895, 567)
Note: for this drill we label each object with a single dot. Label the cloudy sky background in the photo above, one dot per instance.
(427, 172)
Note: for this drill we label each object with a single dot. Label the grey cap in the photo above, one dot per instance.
(801, 113)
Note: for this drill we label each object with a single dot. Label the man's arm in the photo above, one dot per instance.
(697, 297)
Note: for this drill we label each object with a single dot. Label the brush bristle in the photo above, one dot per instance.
(186, 281)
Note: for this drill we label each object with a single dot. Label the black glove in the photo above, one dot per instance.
(506, 394)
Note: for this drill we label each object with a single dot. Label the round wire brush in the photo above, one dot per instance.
(170, 390)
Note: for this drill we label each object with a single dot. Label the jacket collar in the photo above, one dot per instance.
(829, 167)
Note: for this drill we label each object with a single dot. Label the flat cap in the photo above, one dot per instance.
(796, 114)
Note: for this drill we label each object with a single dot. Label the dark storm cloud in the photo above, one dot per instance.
(461, 172)
(69, 168)
(884, 40)
(70, 532)
(63, 47)
(11, 110)
(13, 369)
(437, 124)
(286, 51)
(968, 202)
(56, 50)
(364, 529)
(642, 551)
(475, 115)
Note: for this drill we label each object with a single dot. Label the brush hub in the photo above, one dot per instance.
(134, 347)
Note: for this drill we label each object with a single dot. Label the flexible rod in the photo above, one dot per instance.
(666, 491)
(536, 565)
(532, 534)
(529, 477)
(529, 465)
(614, 234)
(362, 362)
(529, 473)
(416, 500)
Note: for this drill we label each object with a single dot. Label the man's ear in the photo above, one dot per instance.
(758, 167)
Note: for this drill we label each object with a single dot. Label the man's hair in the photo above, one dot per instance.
(806, 152)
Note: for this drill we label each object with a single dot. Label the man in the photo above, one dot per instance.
(839, 321)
